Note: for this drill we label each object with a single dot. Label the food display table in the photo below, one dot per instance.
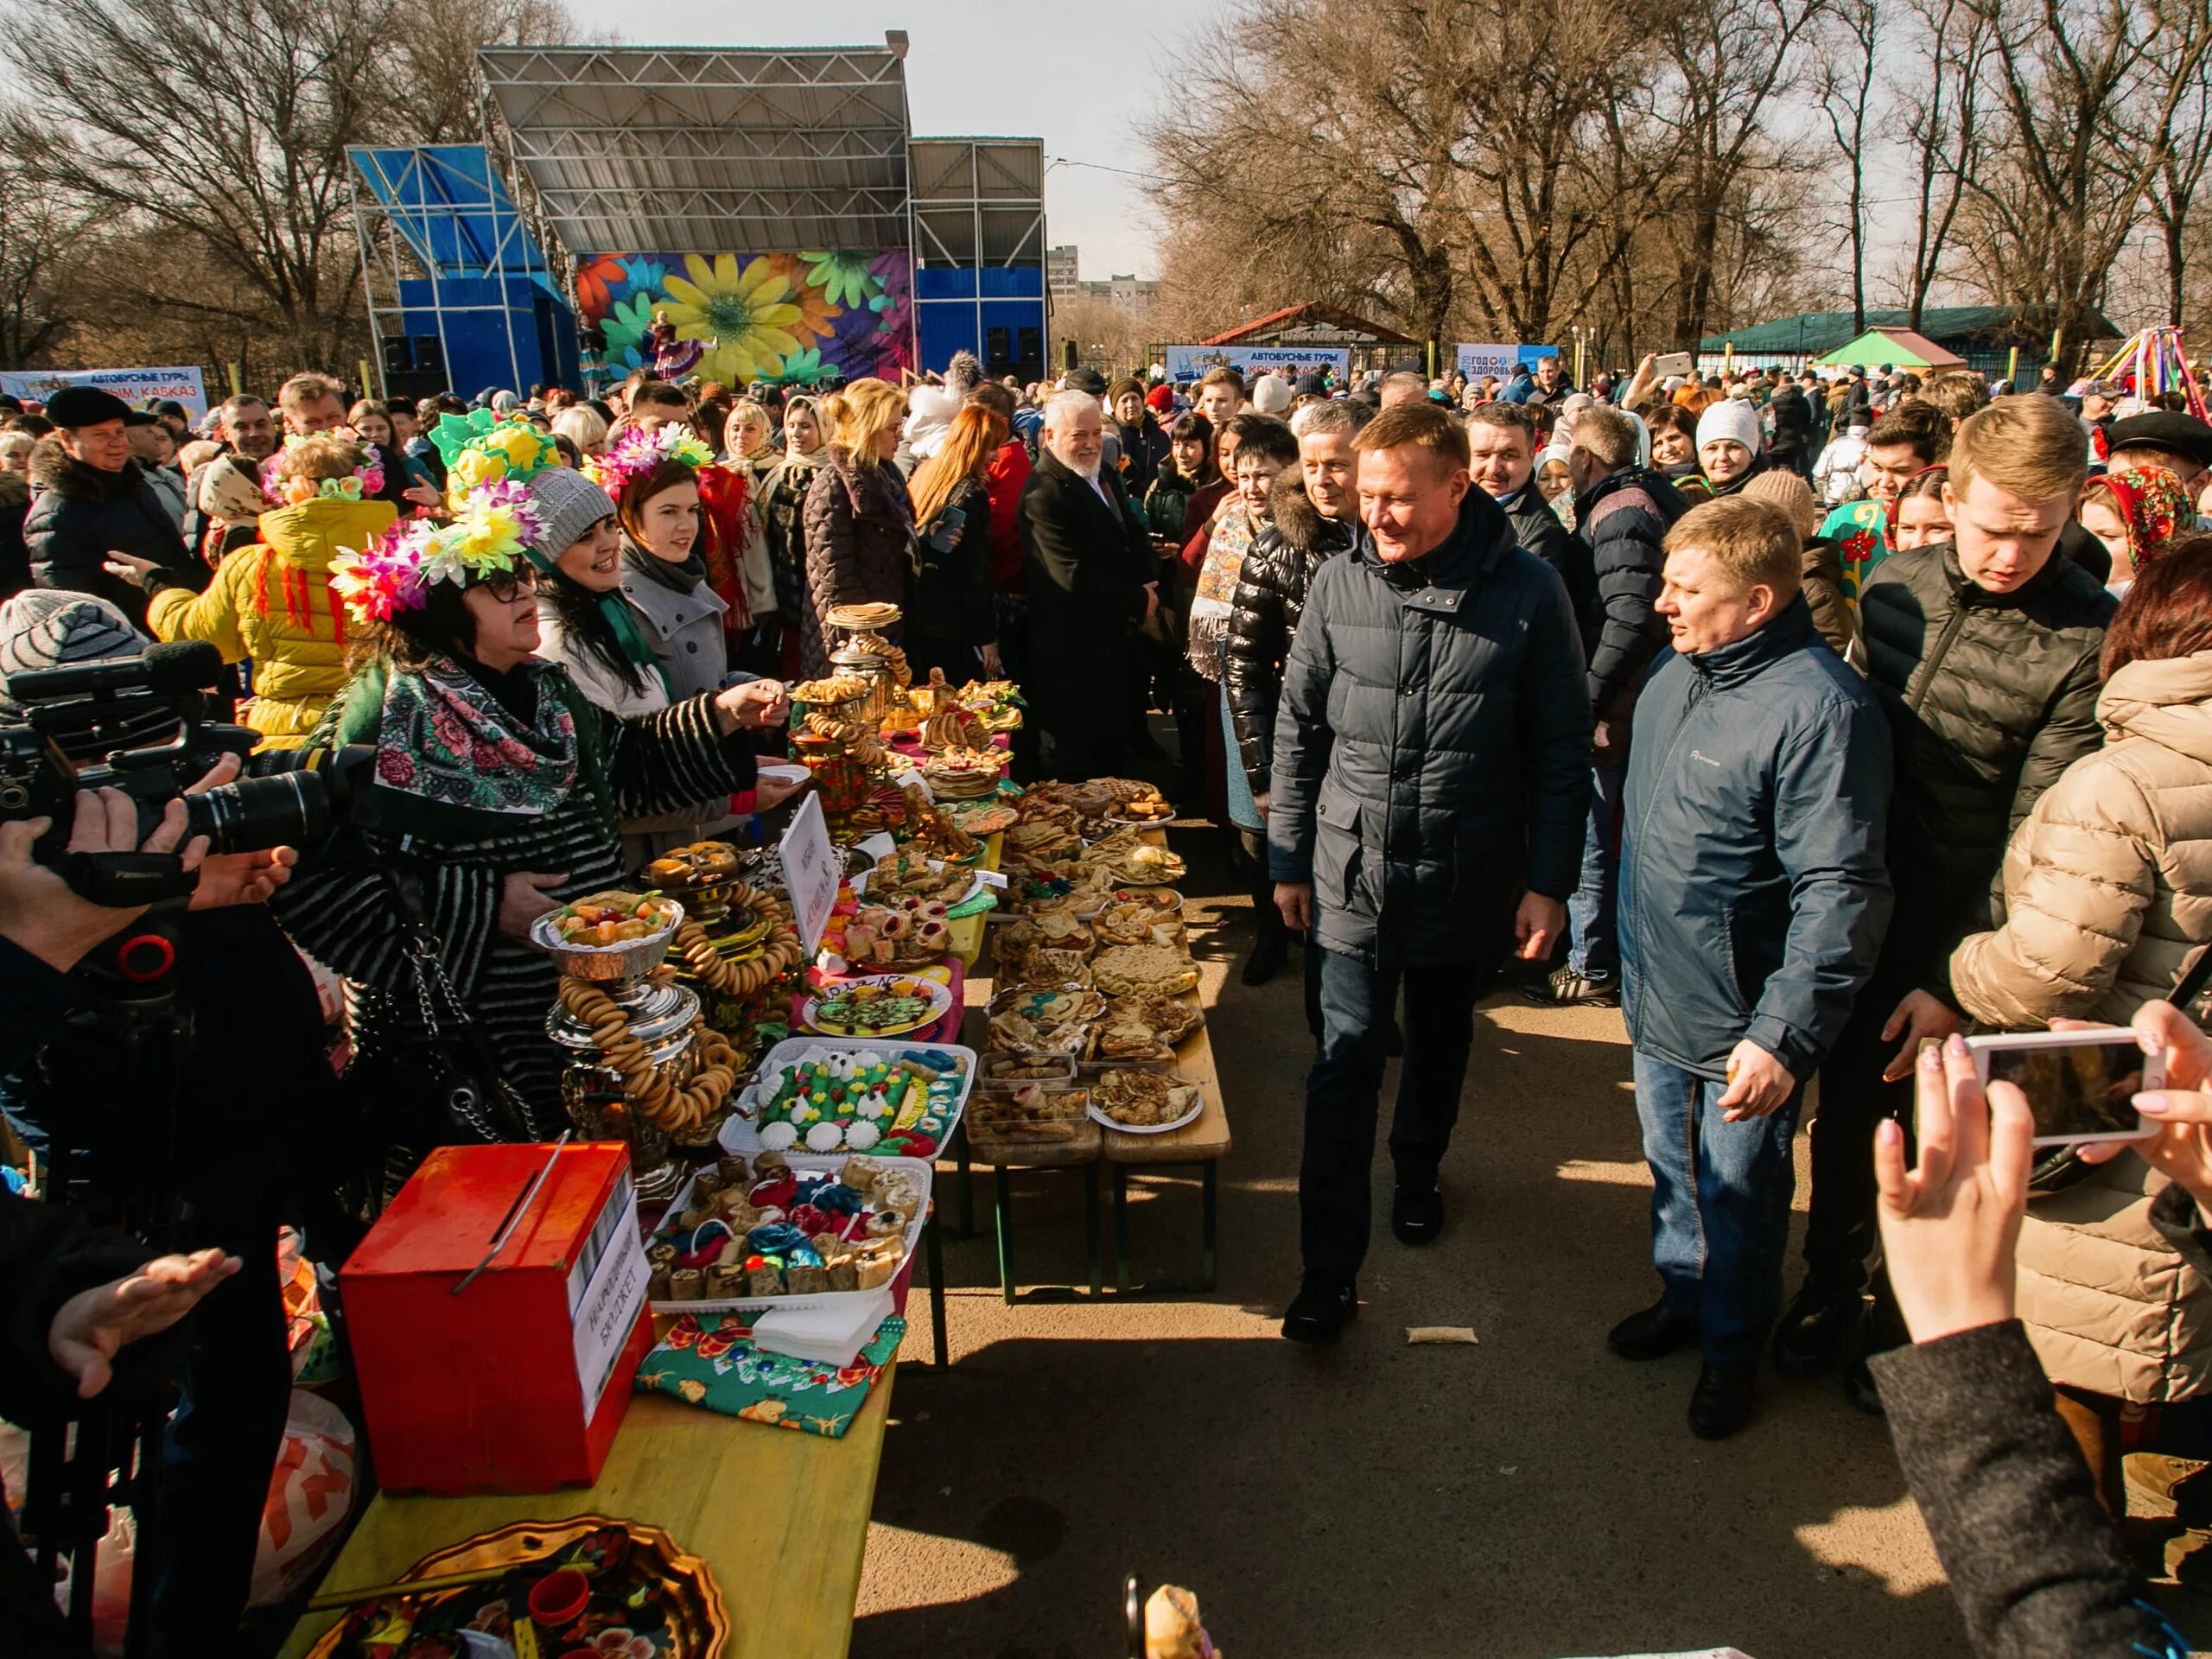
(780, 1515)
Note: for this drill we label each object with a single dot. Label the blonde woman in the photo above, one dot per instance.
(952, 622)
(584, 426)
(859, 525)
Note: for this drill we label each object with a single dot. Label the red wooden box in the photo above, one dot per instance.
(519, 1383)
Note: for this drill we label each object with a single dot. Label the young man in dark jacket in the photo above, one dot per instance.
(1754, 897)
(1431, 748)
(89, 500)
(1985, 656)
(1314, 515)
(1624, 511)
(1502, 439)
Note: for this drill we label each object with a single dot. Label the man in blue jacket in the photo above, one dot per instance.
(1753, 899)
(1431, 748)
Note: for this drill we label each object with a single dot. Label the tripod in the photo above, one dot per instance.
(108, 1081)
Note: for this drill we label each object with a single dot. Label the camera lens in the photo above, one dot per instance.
(254, 814)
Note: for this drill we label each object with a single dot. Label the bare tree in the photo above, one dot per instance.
(1847, 88)
(1938, 90)
(37, 237)
(2172, 195)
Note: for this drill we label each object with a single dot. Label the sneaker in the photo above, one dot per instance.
(1820, 1326)
(1721, 1403)
(1654, 1334)
(1859, 1390)
(1319, 1312)
(1565, 988)
(1417, 1212)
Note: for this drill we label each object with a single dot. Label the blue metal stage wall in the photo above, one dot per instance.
(998, 312)
(476, 340)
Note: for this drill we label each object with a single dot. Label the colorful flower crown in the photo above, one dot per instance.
(641, 448)
(491, 531)
(366, 479)
(481, 449)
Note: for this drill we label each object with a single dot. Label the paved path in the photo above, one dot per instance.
(1530, 1497)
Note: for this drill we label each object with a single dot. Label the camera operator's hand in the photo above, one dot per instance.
(237, 878)
(523, 900)
(38, 910)
(91, 1326)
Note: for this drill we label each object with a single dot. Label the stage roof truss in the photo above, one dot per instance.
(707, 150)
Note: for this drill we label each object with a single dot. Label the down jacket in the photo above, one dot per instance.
(1263, 618)
(79, 515)
(1538, 529)
(1431, 745)
(2107, 895)
(271, 602)
(1624, 519)
(859, 547)
(1991, 697)
(1753, 891)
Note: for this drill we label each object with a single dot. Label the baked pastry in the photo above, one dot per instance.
(1044, 966)
(1144, 1099)
(1034, 1113)
(1125, 923)
(1143, 969)
(1014, 1032)
(1173, 1018)
(1126, 1034)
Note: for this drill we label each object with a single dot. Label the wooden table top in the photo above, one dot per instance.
(780, 1515)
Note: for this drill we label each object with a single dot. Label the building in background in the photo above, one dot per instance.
(1060, 272)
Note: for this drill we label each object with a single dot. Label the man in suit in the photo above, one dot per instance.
(1093, 579)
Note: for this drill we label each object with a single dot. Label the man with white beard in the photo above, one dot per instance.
(1093, 578)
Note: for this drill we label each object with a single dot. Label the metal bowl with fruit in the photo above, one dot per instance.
(609, 938)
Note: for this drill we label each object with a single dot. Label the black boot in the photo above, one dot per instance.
(1721, 1403)
(1270, 942)
(1821, 1326)
(1318, 1313)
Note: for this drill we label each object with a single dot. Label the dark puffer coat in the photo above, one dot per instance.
(1754, 892)
(859, 547)
(1538, 529)
(1433, 744)
(1990, 697)
(79, 515)
(1270, 597)
(1624, 518)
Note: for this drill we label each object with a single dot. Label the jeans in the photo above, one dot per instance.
(1720, 1206)
(1594, 949)
(1343, 1092)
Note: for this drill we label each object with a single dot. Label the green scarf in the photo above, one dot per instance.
(622, 623)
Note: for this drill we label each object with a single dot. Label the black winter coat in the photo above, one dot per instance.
(1270, 597)
(1086, 563)
(859, 547)
(1753, 893)
(1793, 425)
(1538, 529)
(1431, 745)
(1624, 519)
(1144, 447)
(952, 607)
(1990, 697)
(80, 514)
(2035, 1563)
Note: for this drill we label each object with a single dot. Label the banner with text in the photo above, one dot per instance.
(1189, 363)
(134, 386)
(1502, 360)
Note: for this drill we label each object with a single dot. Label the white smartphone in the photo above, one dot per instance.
(2080, 1085)
(1673, 363)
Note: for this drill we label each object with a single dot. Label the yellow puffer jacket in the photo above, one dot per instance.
(273, 603)
(2107, 895)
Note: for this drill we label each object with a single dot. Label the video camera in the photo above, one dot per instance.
(288, 797)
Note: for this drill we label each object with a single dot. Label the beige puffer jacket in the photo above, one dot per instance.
(2107, 895)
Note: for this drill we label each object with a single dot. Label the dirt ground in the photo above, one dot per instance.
(1528, 1497)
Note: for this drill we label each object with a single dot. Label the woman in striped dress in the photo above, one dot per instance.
(498, 790)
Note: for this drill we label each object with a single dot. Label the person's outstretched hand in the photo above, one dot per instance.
(92, 1327)
(2181, 1149)
(1950, 1224)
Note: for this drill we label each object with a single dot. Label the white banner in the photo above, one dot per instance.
(1503, 360)
(1189, 363)
(134, 386)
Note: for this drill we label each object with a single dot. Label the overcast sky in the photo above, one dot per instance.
(1078, 76)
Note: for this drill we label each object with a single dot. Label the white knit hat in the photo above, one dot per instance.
(1730, 418)
(1271, 394)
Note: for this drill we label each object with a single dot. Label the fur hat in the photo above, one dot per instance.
(1730, 418)
(230, 489)
(964, 374)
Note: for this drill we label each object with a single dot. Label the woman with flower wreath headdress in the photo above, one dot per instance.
(498, 791)
(272, 603)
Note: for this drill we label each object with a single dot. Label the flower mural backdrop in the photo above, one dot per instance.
(786, 319)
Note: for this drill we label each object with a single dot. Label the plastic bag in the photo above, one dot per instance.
(309, 1497)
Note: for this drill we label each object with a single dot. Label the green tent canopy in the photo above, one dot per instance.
(1898, 347)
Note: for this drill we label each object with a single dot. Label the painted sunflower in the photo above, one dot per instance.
(816, 315)
(743, 315)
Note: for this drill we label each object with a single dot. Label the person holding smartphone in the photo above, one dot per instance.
(2105, 889)
(952, 617)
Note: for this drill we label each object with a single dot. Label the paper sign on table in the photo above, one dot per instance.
(810, 871)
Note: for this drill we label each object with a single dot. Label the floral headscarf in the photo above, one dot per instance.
(2152, 504)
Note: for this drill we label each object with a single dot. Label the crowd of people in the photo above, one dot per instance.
(1813, 721)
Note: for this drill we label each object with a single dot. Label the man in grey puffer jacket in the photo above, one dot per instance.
(1431, 746)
